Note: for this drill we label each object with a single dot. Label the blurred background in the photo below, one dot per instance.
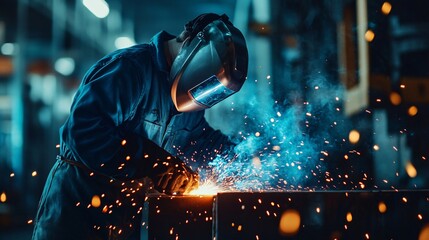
(358, 70)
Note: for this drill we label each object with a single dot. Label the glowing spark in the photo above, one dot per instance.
(34, 173)
(30, 221)
(412, 111)
(290, 222)
(207, 188)
(354, 136)
(123, 142)
(239, 228)
(369, 35)
(395, 98)
(318, 210)
(411, 170)
(424, 233)
(257, 134)
(3, 197)
(386, 8)
(349, 217)
(96, 201)
(404, 199)
(376, 147)
(382, 208)
(419, 216)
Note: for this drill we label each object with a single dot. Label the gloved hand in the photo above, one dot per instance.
(172, 177)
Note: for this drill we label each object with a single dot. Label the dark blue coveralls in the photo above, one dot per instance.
(124, 96)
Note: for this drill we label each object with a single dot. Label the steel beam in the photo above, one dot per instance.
(178, 217)
(289, 215)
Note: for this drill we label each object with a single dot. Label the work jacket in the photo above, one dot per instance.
(121, 121)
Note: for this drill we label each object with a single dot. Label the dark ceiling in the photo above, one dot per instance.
(146, 17)
(153, 16)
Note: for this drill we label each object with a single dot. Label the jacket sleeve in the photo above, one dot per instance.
(97, 127)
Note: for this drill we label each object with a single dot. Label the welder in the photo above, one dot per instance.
(137, 124)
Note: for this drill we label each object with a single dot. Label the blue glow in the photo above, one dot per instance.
(281, 147)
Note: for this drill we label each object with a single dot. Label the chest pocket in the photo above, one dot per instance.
(151, 126)
(182, 140)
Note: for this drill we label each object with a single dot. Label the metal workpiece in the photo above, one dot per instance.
(177, 217)
(322, 215)
(289, 215)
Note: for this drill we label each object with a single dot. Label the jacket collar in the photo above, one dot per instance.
(158, 41)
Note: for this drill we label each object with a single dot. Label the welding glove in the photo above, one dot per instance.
(173, 177)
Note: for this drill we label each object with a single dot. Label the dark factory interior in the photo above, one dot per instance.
(330, 121)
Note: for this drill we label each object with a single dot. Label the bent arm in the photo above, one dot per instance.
(97, 131)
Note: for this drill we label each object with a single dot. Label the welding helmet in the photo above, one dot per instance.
(211, 65)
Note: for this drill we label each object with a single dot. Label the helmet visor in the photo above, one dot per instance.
(210, 92)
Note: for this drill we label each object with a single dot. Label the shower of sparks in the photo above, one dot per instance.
(206, 188)
(280, 147)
